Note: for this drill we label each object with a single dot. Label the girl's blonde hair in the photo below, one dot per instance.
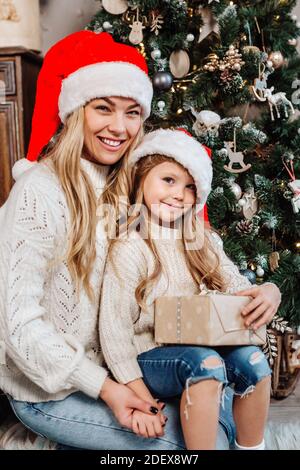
(64, 158)
(203, 261)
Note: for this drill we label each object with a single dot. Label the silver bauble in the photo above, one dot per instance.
(162, 81)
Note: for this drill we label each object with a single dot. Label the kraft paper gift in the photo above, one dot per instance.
(208, 320)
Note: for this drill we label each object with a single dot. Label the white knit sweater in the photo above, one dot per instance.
(125, 329)
(48, 338)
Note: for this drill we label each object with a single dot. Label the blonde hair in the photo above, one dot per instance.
(64, 158)
(203, 263)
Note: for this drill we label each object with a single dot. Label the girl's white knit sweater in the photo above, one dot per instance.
(49, 344)
(125, 329)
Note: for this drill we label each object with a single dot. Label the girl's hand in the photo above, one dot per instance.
(148, 426)
(265, 303)
(123, 402)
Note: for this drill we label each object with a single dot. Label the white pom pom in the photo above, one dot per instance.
(21, 166)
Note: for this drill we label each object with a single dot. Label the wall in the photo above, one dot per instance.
(62, 17)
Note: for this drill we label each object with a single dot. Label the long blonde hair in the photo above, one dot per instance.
(203, 263)
(64, 158)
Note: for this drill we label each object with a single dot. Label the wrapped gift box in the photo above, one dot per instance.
(210, 320)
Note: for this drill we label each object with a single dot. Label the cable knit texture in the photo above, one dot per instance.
(125, 329)
(48, 336)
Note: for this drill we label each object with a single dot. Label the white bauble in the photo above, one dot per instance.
(236, 189)
(156, 54)
(259, 271)
(115, 7)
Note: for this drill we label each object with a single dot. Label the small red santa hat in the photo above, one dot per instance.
(83, 66)
(186, 150)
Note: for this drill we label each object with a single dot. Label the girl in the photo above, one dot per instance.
(93, 95)
(171, 177)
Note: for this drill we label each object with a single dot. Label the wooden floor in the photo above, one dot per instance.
(288, 409)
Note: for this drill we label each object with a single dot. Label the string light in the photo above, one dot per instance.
(179, 111)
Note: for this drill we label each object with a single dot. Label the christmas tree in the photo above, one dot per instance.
(228, 72)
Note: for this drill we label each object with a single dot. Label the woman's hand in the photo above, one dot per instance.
(148, 426)
(265, 303)
(123, 402)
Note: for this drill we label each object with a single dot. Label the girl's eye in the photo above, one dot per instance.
(192, 187)
(169, 180)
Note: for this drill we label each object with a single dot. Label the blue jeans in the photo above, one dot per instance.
(80, 422)
(166, 369)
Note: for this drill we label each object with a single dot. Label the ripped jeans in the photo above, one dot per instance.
(168, 369)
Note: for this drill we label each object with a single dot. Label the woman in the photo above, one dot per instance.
(93, 95)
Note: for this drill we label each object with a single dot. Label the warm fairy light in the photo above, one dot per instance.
(298, 245)
(179, 111)
(184, 87)
(231, 3)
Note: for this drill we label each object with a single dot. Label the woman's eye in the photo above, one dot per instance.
(169, 180)
(192, 187)
(135, 112)
(102, 107)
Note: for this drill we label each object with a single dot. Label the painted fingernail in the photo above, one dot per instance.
(154, 410)
(166, 419)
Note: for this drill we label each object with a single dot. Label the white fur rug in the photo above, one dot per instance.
(14, 436)
(283, 436)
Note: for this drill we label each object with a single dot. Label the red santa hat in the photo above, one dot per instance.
(83, 66)
(186, 150)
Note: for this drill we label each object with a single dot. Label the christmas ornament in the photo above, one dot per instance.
(260, 83)
(244, 227)
(156, 22)
(210, 24)
(106, 25)
(279, 99)
(207, 123)
(8, 11)
(250, 206)
(136, 35)
(294, 185)
(115, 7)
(259, 271)
(277, 59)
(235, 157)
(249, 274)
(274, 260)
(231, 61)
(156, 54)
(161, 105)
(179, 63)
(293, 42)
(236, 189)
(190, 37)
(162, 81)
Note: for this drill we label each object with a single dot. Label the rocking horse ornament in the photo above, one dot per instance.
(235, 157)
